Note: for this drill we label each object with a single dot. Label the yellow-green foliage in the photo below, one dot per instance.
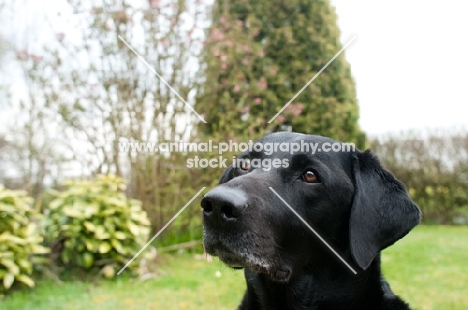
(19, 238)
(98, 225)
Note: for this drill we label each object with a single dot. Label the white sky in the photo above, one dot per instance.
(409, 61)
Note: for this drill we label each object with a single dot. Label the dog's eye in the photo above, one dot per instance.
(245, 164)
(309, 177)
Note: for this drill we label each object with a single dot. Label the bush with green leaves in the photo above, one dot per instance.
(96, 225)
(19, 238)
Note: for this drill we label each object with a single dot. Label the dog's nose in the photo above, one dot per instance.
(223, 204)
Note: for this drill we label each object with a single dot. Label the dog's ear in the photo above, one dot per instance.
(382, 211)
(227, 175)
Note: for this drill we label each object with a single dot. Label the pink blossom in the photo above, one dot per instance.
(60, 36)
(246, 48)
(155, 3)
(236, 88)
(22, 54)
(223, 66)
(245, 110)
(239, 23)
(121, 16)
(295, 109)
(257, 101)
(216, 53)
(273, 71)
(36, 58)
(299, 108)
(217, 35)
(223, 58)
(262, 84)
(281, 118)
(261, 53)
(245, 62)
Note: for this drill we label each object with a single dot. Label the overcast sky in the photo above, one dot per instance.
(409, 61)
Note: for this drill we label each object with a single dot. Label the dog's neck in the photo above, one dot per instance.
(314, 288)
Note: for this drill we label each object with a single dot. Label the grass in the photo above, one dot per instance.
(428, 268)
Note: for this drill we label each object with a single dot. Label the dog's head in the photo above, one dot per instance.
(344, 195)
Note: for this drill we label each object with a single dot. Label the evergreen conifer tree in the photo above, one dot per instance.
(259, 54)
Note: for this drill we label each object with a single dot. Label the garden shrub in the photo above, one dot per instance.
(96, 224)
(19, 238)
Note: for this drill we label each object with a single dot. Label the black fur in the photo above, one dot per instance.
(356, 205)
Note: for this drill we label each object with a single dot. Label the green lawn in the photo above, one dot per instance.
(429, 268)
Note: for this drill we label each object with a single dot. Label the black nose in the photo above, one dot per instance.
(223, 204)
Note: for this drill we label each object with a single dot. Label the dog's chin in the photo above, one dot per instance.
(257, 265)
(231, 260)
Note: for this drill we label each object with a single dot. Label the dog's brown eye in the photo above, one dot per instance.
(309, 177)
(245, 164)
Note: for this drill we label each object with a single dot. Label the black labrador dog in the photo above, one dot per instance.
(308, 225)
